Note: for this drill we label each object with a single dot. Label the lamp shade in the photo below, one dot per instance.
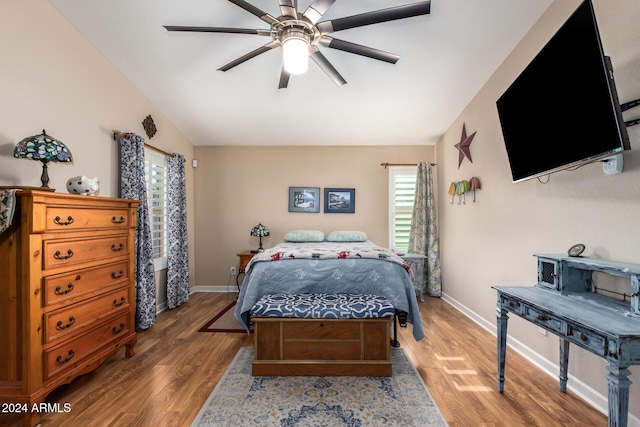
(44, 148)
(260, 230)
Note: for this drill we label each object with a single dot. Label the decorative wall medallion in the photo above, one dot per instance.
(464, 146)
(149, 126)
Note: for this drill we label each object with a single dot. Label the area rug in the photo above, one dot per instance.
(240, 400)
(224, 322)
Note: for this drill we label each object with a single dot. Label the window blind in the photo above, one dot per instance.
(156, 177)
(402, 185)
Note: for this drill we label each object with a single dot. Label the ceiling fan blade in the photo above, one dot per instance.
(288, 9)
(255, 11)
(316, 9)
(217, 30)
(284, 79)
(375, 17)
(248, 56)
(326, 66)
(359, 49)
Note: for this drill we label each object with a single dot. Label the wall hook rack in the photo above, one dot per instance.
(627, 106)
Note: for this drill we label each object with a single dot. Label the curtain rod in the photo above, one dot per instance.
(149, 146)
(386, 165)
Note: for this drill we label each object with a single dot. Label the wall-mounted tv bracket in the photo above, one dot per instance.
(627, 106)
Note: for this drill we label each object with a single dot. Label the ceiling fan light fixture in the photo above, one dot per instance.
(295, 52)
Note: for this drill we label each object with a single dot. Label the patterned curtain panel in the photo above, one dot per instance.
(133, 186)
(423, 238)
(178, 255)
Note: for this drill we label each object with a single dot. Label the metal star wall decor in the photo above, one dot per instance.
(464, 146)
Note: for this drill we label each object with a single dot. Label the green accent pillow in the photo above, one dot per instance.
(347, 236)
(303, 236)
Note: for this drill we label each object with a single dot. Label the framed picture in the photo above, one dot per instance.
(304, 199)
(339, 200)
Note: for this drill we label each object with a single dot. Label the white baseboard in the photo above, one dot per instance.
(214, 288)
(587, 393)
(161, 307)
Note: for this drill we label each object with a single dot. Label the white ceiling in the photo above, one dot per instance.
(446, 57)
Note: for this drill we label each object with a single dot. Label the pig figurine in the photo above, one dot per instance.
(82, 185)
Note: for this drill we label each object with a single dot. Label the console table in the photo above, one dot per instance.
(562, 302)
(416, 262)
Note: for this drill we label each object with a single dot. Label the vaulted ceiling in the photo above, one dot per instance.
(445, 58)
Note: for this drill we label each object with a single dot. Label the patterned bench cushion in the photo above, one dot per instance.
(323, 306)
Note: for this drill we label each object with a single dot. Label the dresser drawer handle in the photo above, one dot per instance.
(117, 276)
(583, 337)
(117, 248)
(58, 221)
(543, 317)
(59, 255)
(118, 221)
(118, 304)
(58, 290)
(60, 326)
(59, 358)
(117, 331)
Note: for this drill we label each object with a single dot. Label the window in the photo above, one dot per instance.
(155, 166)
(402, 187)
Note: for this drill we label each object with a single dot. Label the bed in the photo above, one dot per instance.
(329, 267)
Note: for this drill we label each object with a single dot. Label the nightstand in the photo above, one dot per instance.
(416, 262)
(243, 260)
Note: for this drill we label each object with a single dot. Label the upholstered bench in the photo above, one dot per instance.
(322, 334)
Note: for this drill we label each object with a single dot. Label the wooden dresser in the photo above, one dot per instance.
(67, 299)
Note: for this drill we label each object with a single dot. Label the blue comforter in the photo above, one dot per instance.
(382, 277)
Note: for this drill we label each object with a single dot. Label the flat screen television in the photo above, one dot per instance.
(563, 110)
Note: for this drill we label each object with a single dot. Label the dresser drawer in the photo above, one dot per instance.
(72, 352)
(71, 218)
(71, 286)
(63, 252)
(322, 350)
(511, 304)
(320, 329)
(589, 339)
(73, 318)
(542, 319)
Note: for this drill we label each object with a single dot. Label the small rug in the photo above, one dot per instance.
(240, 400)
(224, 322)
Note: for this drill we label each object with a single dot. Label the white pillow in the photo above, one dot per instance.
(347, 236)
(303, 236)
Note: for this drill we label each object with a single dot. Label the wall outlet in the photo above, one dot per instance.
(233, 271)
(613, 165)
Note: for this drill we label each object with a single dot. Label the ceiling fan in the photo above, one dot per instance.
(300, 34)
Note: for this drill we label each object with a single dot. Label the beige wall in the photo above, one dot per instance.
(238, 187)
(492, 241)
(53, 78)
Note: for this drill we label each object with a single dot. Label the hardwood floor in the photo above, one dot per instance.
(176, 368)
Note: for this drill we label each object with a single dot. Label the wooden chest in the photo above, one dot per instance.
(67, 299)
(323, 347)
